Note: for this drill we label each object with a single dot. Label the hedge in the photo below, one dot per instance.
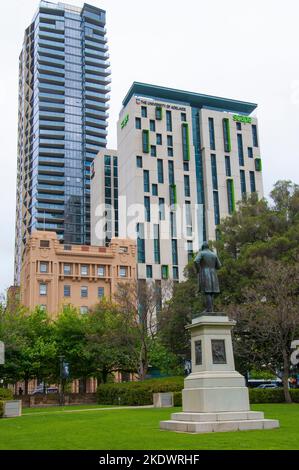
(1, 408)
(6, 394)
(141, 393)
(271, 395)
(137, 393)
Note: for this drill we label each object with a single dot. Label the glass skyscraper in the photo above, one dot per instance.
(62, 122)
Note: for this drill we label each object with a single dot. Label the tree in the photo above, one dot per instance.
(268, 320)
(110, 341)
(139, 304)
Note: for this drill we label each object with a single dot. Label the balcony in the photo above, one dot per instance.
(51, 179)
(46, 60)
(52, 97)
(96, 62)
(51, 152)
(97, 70)
(50, 197)
(51, 107)
(50, 170)
(46, 216)
(45, 124)
(58, 162)
(94, 43)
(52, 79)
(51, 143)
(93, 122)
(95, 114)
(92, 95)
(49, 133)
(48, 88)
(51, 116)
(96, 87)
(47, 52)
(92, 139)
(57, 71)
(95, 131)
(96, 54)
(96, 105)
(102, 80)
(43, 34)
(90, 148)
(52, 207)
(51, 44)
(48, 189)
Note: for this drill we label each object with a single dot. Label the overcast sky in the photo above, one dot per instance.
(245, 50)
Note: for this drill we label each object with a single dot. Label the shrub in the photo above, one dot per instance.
(137, 393)
(177, 399)
(6, 394)
(1, 408)
(271, 395)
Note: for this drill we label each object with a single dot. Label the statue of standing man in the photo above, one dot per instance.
(207, 263)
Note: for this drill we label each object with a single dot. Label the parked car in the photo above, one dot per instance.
(40, 389)
(268, 386)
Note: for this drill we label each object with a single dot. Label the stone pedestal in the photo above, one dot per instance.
(215, 397)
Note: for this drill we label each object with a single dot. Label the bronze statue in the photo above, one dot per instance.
(206, 263)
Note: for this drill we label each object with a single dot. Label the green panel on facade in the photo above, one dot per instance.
(186, 141)
(145, 141)
(159, 113)
(226, 135)
(258, 164)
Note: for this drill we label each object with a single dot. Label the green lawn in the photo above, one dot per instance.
(101, 428)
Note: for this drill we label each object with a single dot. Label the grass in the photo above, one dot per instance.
(131, 429)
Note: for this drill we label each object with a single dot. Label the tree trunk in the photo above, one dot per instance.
(285, 377)
(26, 381)
(104, 376)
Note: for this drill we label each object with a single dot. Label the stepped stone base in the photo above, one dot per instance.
(218, 422)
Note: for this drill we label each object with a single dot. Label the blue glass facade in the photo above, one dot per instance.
(63, 103)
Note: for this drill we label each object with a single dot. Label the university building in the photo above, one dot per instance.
(184, 161)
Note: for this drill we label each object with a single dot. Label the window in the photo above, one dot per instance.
(153, 151)
(140, 243)
(154, 189)
(147, 209)
(159, 139)
(157, 244)
(145, 141)
(84, 291)
(212, 133)
(101, 292)
(239, 126)
(174, 250)
(183, 117)
(149, 271)
(66, 291)
(190, 250)
(160, 171)
(216, 208)
(146, 181)
(172, 194)
(161, 208)
(173, 230)
(138, 123)
(123, 271)
(228, 171)
(152, 125)
(171, 172)
(187, 185)
(175, 273)
(185, 141)
(230, 195)
(250, 152)
(252, 181)
(101, 271)
(170, 151)
(44, 244)
(168, 121)
(43, 289)
(43, 267)
(214, 172)
(186, 166)
(254, 136)
(139, 162)
(169, 141)
(243, 182)
(123, 249)
(67, 269)
(240, 149)
(188, 218)
(144, 111)
(83, 310)
(84, 270)
(159, 113)
(226, 135)
(164, 271)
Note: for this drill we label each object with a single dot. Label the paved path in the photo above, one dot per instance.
(38, 413)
